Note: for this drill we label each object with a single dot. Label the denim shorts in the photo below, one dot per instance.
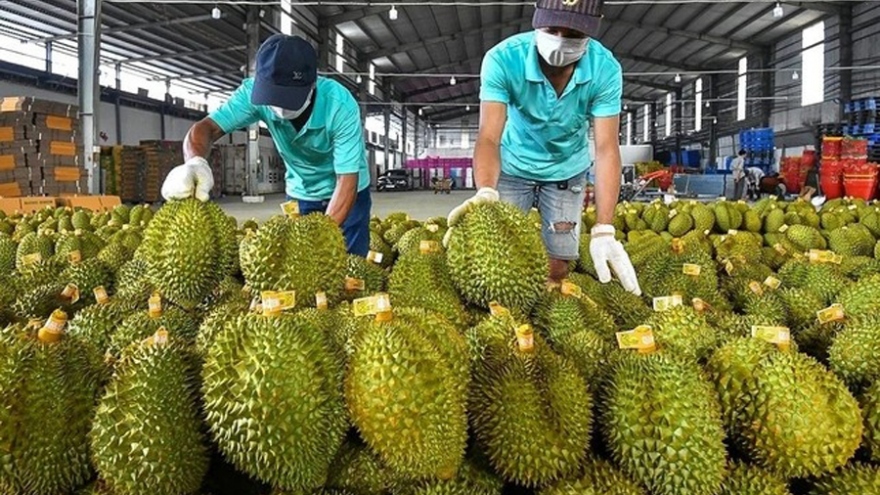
(558, 202)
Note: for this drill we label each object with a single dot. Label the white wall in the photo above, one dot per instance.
(137, 125)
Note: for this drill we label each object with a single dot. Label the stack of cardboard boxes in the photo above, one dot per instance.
(40, 148)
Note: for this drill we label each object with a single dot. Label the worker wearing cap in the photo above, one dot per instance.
(316, 125)
(540, 92)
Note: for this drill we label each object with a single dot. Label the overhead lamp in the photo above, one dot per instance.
(452, 81)
(421, 111)
(392, 14)
(678, 78)
(467, 108)
(359, 79)
(708, 104)
(778, 11)
(215, 13)
(626, 107)
(795, 76)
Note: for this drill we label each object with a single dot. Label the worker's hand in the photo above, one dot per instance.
(484, 195)
(193, 179)
(606, 250)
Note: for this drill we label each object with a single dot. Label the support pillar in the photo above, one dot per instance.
(49, 57)
(88, 90)
(252, 154)
(116, 110)
(403, 135)
(766, 88)
(846, 55)
(386, 112)
(710, 91)
(678, 117)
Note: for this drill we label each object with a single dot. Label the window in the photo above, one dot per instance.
(647, 123)
(371, 87)
(668, 114)
(629, 128)
(465, 140)
(698, 107)
(340, 49)
(813, 64)
(741, 88)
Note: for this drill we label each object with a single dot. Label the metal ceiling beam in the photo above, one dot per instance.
(168, 56)
(353, 15)
(826, 7)
(132, 27)
(437, 87)
(663, 63)
(198, 75)
(708, 38)
(406, 47)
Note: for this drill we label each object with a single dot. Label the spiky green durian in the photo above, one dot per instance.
(860, 299)
(216, 320)
(394, 233)
(854, 354)
(114, 256)
(852, 479)
(32, 248)
(662, 423)
(86, 276)
(147, 435)
(413, 366)
(95, 324)
(825, 279)
(684, 332)
(290, 361)
(422, 280)
(469, 480)
(142, 324)
(411, 240)
(363, 278)
(306, 254)
(494, 255)
(49, 388)
(378, 245)
(785, 410)
(81, 220)
(627, 309)
(40, 301)
(360, 471)
(8, 249)
(189, 247)
(749, 480)
(665, 273)
(802, 306)
(869, 401)
(522, 387)
(599, 478)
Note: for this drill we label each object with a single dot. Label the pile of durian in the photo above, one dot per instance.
(141, 351)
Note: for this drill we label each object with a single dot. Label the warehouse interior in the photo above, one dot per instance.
(697, 74)
(187, 314)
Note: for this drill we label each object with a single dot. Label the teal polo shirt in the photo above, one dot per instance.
(331, 142)
(545, 137)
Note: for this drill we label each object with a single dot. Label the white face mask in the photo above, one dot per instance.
(559, 51)
(283, 113)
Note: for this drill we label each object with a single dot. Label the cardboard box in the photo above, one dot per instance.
(32, 204)
(109, 202)
(92, 203)
(10, 206)
(36, 105)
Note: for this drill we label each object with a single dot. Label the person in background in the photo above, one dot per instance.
(540, 92)
(738, 173)
(316, 125)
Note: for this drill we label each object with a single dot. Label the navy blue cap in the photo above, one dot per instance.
(584, 16)
(287, 68)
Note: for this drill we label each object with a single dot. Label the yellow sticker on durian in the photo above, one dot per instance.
(101, 296)
(691, 269)
(379, 303)
(569, 288)
(375, 257)
(71, 291)
(667, 302)
(774, 335)
(640, 338)
(832, 313)
(74, 257)
(290, 208)
(496, 309)
(353, 284)
(321, 300)
(772, 282)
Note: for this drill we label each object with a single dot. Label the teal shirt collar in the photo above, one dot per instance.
(582, 71)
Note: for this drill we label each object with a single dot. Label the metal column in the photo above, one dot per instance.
(116, 109)
(88, 90)
(766, 87)
(253, 131)
(710, 91)
(403, 135)
(387, 117)
(846, 55)
(49, 57)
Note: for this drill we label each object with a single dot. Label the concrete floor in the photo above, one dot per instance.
(420, 205)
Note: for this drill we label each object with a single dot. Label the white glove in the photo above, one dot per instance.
(606, 250)
(484, 195)
(193, 179)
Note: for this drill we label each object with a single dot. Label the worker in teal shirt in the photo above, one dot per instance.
(316, 125)
(539, 93)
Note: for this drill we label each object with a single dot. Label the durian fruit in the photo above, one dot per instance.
(290, 440)
(862, 479)
(684, 332)
(802, 306)
(859, 267)
(305, 254)
(40, 301)
(141, 324)
(469, 480)
(627, 309)
(530, 410)
(494, 255)
(406, 390)
(95, 324)
(784, 410)
(87, 275)
(411, 240)
(49, 385)
(855, 240)
(360, 471)
(684, 270)
(854, 354)
(363, 278)
(860, 299)
(744, 479)
(599, 478)
(8, 249)
(189, 247)
(378, 245)
(114, 256)
(147, 435)
(825, 279)
(422, 280)
(662, 424)
(217, 320)
(396, 232)
(805, 237)
(870, 403)
(132, 281)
